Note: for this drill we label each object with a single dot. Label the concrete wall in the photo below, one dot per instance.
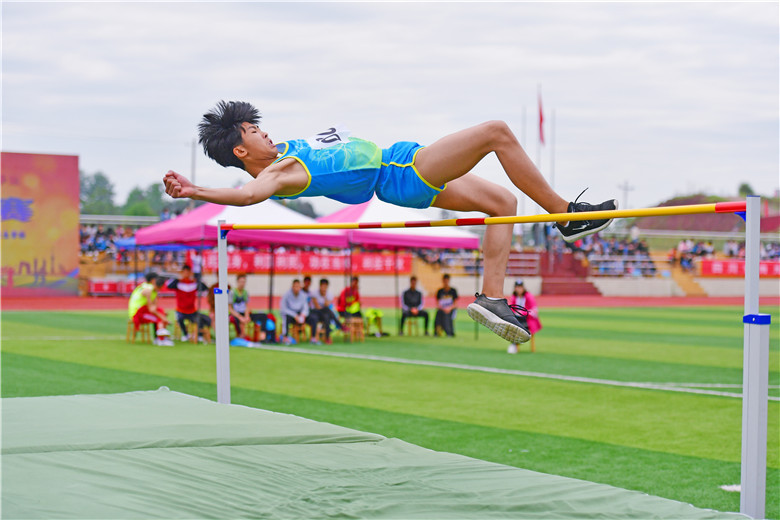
(736, 286)
(621, 286)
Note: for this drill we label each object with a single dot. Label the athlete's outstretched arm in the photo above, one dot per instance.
(256, 190)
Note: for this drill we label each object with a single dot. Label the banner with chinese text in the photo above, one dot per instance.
(737, 268)
(40, 224)
(305, 262)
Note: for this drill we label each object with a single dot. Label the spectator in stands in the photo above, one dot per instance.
(321, 314)
(731, 248)
(412, 306)
(446, 299)
(142, 308)
(197, 265)
(294, 309)
(187, 289)
(523, 298)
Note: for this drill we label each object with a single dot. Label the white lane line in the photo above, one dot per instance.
(439, 364)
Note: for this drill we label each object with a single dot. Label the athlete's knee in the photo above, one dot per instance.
(503, 202)
(499, 133)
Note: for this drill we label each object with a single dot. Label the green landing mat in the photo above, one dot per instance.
(164, 454)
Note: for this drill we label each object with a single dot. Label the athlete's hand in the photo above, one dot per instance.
(178, 186)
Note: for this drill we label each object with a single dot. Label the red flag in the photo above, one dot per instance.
(541, 119)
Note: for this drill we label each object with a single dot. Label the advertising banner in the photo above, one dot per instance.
(736, 268)
(305, 262)
(40, 224)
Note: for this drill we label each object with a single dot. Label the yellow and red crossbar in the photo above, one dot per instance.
(717, 207)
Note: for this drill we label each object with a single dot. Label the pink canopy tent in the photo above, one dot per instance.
(199, 226)
(416, 237)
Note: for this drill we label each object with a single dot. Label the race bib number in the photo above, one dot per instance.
(332, 136)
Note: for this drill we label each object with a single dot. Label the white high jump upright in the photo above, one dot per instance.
(755, 375)
(221, 323)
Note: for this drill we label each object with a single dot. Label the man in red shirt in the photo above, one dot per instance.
(187, 289)
(348, 303)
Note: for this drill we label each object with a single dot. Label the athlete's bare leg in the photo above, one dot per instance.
(456, 154)
(472, 193)
(449, 159)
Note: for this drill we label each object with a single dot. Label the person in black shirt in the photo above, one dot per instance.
(445, 302)
(412, 306)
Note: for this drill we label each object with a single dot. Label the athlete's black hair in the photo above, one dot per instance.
(220, 130)
(150, 277)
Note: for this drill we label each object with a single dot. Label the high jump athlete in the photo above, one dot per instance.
(352, 170)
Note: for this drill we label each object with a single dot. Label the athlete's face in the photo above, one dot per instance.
(255, 143)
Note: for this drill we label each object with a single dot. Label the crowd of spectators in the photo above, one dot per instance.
(768, 251)
(687, 251)
(98, 239)
(618, 257)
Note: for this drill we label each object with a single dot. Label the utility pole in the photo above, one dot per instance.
(194, 154)
(625, 187)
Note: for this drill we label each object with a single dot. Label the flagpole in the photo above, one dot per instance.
(540, 139)
(552, 151)
(522, 144)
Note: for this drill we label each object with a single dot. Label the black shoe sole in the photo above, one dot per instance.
(572, 238)
(511, 333)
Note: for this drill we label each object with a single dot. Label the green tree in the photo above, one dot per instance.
(137, 204)
(745, 190)
(154, 197)
(139, 209)
(97, 194)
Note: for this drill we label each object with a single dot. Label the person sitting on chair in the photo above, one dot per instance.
(239, 307)
(349, 307)
(412, 306)
(294, 308)
(445, 302)
(348, 303)
(142, 308)
(321, 311)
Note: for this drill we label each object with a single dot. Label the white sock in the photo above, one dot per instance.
(491, 298)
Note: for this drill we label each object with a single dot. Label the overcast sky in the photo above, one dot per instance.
(668, 98)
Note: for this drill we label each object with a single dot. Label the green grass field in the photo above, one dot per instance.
(580, 414)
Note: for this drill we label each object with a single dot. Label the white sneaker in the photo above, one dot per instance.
(161, 342)
(163, 332)
(185, 338)
(511, 349)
